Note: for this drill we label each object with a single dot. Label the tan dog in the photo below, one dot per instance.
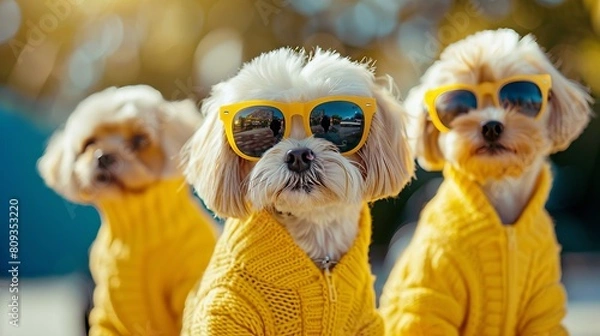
(484, 259)
(119, 152)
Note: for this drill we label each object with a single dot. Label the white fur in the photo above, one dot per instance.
(327, 223)
(508, 178)
(324, 222)
(65, 169)
(510, 194)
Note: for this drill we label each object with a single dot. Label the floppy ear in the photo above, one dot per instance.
(212, 167)
(429, 154)
(178, 121)
(422, 134)
(49, 164)
(56, 167)
(387, 158)
(569, 103)
(570, 111)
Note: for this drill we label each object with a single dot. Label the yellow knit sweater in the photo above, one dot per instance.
(150, 250)
(465, 273)
(260, 282)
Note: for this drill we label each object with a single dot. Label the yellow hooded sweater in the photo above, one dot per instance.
(465, 273)
(150, 250)
(260, 282)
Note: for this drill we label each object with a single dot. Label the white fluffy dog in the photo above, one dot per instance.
(117, 140)
(484, 258)
(306, 181)
(119, 152)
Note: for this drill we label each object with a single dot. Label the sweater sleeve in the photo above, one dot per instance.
(186, 280)
(102, 319)
(374, 326)
(102, 330)
(178, 297)
(425, 293)
(224, 312)
(371, 322)
(101, 325)
(543, 314)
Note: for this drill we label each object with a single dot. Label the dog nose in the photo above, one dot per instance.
(492, 130)
(299, 160)
(106, 160)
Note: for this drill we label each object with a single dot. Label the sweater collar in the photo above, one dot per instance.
(164, 209)
(476, 203)
(269, 253)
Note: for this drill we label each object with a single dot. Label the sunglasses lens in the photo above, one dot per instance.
(340, 122)
(453, 103)
(258, 128)
(523, 95)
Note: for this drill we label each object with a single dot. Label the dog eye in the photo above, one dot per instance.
(139, 141)
(88, 143)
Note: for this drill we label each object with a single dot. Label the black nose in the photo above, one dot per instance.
(299, 159)
(492, 130)
(106, 160)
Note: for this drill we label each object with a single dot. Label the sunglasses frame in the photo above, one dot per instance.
(228, 112)
(543, 81)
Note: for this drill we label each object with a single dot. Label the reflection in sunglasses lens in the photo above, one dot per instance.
(258, 128)
(340, 122)
(523, 95)
(453, 103)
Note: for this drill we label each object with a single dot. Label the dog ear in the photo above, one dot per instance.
(422, 134)
(178, 121)
(569, 102)
(55, 167)
(570, 111)
(387, 158)
(49, 164)
(212, 167)
(429, 154)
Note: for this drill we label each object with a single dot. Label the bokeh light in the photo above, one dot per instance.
(310, 7)
(550, 3)
(84, 71)
(218, 56)
(10, 19)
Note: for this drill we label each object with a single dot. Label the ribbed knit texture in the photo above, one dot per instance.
(150, 250)
(260, 282)
(465, 273)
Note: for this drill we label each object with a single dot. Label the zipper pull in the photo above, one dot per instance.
(326, 263)
(330, 285)
(511, 237)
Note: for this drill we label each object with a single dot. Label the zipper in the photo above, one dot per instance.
(326, 264)
(511, 275)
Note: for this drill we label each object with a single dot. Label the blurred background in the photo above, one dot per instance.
(53, 53)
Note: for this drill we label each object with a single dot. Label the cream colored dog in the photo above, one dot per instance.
(484, 259)
(119, 152)
(509, 173)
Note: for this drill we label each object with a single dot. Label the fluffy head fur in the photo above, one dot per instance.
(134, 127)
(490, 56)
(323, 218)
(486, 57)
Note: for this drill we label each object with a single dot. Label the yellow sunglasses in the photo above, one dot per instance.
(527, 93)
(252, 127)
